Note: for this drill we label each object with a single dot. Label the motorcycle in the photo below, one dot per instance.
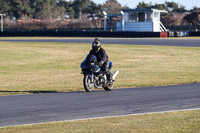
(94, 76)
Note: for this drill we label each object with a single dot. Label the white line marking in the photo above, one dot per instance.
(103, 117)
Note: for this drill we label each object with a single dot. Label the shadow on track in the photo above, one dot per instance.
(32, 92)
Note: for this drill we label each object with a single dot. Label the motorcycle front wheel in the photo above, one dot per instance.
(87, 82)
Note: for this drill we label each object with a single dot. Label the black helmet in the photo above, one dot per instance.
(96, 45)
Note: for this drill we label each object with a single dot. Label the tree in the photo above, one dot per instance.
(43, 11)
(195, 9)
(68, 6)
(94, 10)
(71, 12)
(36, 5)
(112, 7)
(80, 7)
(142, 5)
(160, 7)
(175, 7)
(4, 6)
(48, 9)
(193, 18)
(172, 5)
(21, 8)
(125, 7)
(181, 9)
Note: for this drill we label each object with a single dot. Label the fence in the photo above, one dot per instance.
(63, 33)
(184, 28)
(83, 33)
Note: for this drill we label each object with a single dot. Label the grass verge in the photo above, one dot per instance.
(172, 122)
(34, 67)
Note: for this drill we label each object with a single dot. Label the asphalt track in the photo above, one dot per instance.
(157, 42)
(38, 108)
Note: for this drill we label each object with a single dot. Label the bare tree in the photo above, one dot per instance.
(112, 7)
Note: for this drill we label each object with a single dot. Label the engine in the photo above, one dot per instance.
(100, 81)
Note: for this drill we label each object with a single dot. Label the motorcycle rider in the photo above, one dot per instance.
(102, 57)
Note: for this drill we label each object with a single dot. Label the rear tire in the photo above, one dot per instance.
(109, 87)
(87, 83)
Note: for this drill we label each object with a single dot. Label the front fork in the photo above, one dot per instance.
(91, 83)
(92, 77)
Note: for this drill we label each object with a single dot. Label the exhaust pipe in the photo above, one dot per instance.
(115, 74)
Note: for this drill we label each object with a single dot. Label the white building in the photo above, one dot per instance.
(141, 20)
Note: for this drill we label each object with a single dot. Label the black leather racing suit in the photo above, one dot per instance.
(102, 56)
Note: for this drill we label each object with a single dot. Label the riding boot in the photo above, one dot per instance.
(107, 71)
(109, 75)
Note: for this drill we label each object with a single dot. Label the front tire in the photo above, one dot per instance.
(88, 85)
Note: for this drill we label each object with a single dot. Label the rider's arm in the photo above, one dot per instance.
(105, 56)
(91, 52)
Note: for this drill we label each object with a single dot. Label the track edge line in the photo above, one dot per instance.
(159, 112)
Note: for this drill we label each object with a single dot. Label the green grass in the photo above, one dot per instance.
(173, 122)
(28, 67)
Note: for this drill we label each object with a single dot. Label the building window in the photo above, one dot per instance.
(141, 16)
(149, 16)
(133, 17)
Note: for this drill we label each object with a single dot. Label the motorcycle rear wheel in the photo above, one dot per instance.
(109, 87)
(88, 85)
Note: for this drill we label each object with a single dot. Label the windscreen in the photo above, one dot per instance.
(88, 60)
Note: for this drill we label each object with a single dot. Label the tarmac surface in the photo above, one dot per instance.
(39, 108)
(157, 42)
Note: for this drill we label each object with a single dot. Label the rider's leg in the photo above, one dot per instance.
(107, 70)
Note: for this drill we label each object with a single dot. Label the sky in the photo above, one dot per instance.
(189, 4)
